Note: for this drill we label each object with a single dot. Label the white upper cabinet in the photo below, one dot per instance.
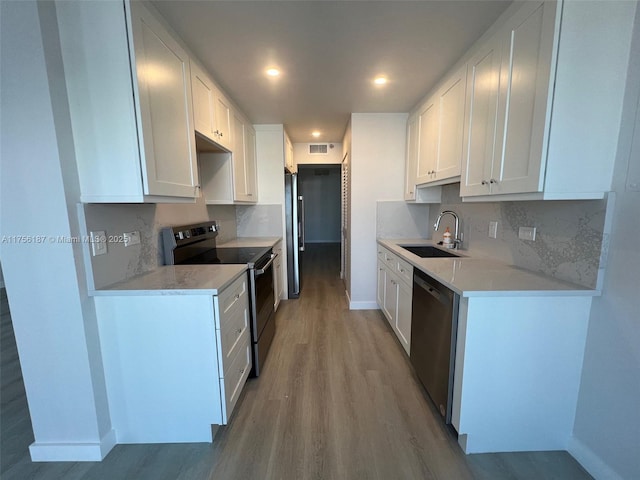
(451, 100)
(222, 125)
(129, 88)
(165, 108)
(428, 143)
(288, 154)
(482, 109)
(411, 163)
(544, 109)
(251, 162)
(211, 109)
(244, 161)
(507, 97)
(527, 113)
(440, 129)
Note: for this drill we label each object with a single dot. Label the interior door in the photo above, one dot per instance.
(344, 230)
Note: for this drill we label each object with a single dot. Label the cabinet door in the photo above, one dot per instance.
(391, 299)
(168, 149)
(288, 154)
(382, 279)
(451, 134)
(203, 102)
(403, 317)
(250, 160)
(428, 142)
(223, 120)
(411, 162)
(483, 81)
(524, 92)
(239, 171)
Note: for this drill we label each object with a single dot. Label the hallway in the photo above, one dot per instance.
(337, 400)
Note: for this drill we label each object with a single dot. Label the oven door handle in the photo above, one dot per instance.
(268, 264)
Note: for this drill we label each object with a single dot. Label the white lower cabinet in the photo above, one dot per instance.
(174, 364)
(395, 289)
(518, 366)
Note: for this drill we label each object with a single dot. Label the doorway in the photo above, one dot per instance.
(321, 187)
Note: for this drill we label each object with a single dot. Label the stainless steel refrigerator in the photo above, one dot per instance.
(294, 210)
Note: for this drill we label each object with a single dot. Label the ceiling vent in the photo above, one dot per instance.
(318, 149)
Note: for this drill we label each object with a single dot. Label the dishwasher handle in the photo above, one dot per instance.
(442, 297)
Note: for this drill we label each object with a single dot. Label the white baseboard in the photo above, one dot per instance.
(363, 305)
(73, 452)
(591, 462)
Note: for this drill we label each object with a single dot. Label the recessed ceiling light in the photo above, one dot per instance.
(315, 133)
(273, 72)
(380, 80)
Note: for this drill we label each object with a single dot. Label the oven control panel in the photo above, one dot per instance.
(173, 237)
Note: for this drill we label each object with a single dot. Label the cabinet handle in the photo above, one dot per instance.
(402, 270)
(484, 182)
(493, 180)
(221, 134)
(241, 371)
(239, 331)
(237, 296)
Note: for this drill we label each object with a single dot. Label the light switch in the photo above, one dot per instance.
(493, 229)
(98, 243)
(527, 233)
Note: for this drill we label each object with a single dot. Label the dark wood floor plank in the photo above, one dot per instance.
(337, 399)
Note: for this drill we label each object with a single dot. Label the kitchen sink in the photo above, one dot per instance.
(426, 251)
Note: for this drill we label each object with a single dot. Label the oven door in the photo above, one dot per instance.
(264, 324)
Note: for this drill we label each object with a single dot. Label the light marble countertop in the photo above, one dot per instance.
(473, 277)
(251, 242)
(177, 280)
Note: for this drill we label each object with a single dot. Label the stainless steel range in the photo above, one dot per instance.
(196, 245)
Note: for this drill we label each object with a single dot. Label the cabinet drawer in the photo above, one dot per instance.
(235, 376)
(233, 326)
(404, 271)
(388, 258)
(232, 295)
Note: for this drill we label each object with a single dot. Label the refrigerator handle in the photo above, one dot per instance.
(302, 242)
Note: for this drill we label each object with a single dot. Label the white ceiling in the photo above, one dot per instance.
(329, 52)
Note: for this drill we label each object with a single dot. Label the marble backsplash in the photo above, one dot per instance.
(398, 219)
(259, 220)
(122, 262)
(571, 238)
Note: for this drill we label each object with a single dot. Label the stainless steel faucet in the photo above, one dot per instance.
(457, 235)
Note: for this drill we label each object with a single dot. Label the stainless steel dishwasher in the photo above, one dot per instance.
(434, 323)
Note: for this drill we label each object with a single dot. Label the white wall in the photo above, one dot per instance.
(301, 154)
(54, 319)
(607, 424)
(322, 202)
(377, 173)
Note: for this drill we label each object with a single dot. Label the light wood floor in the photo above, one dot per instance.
(337, 400)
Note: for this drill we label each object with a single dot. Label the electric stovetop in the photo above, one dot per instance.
(227, 255)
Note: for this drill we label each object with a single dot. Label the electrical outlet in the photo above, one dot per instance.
(493, 229)
(131, 238)
(527, 233)
(98, 243)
